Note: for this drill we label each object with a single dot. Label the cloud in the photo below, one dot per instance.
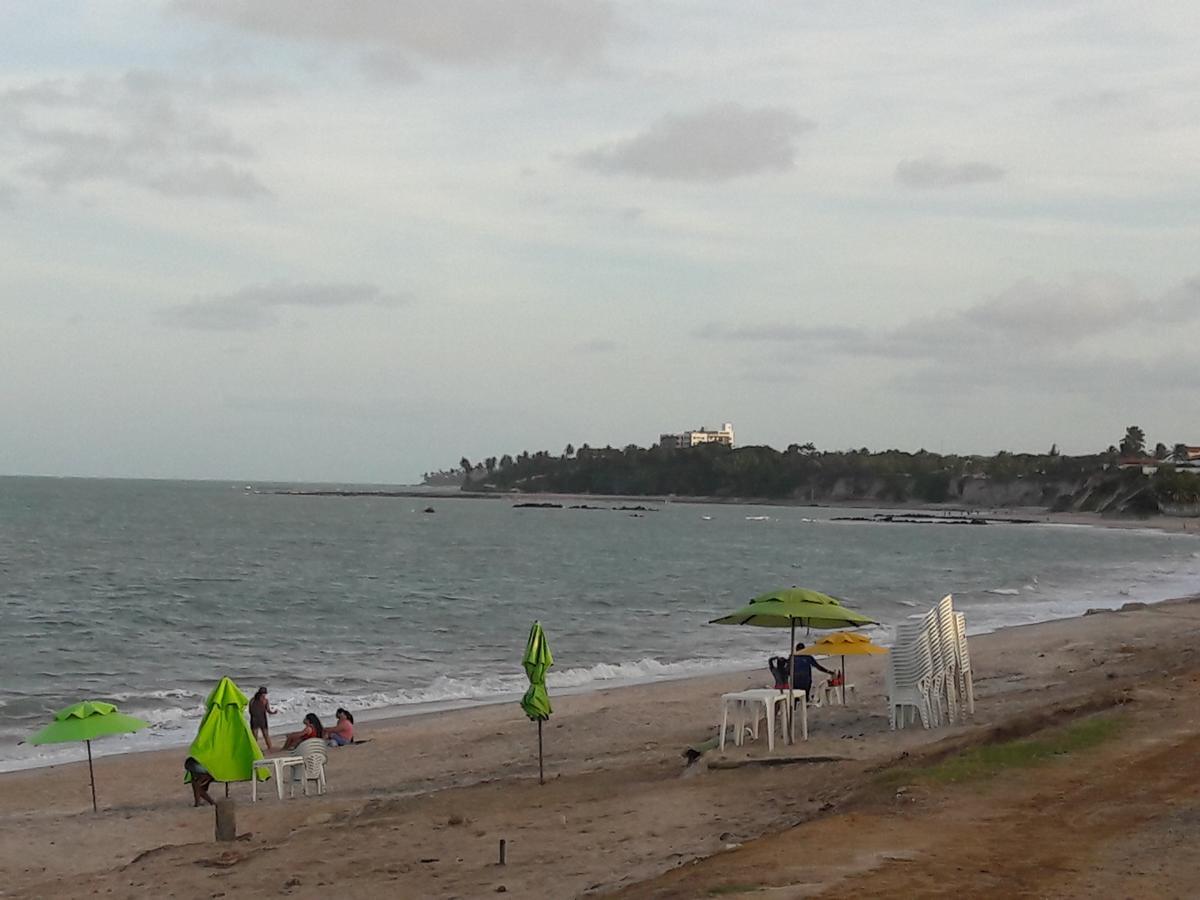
(8, 195)
(596, 345)
(564, 34)
(935, 172)
(713, 144)
(1093, 102)
(389, 67)
(139, 129)
(1028, 319)
(780, 333)
(256, 306)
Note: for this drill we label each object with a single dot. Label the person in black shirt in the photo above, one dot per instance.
(802, 671)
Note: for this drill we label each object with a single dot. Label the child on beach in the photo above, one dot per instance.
(312, 729)
(342, 733)
(201, 779)
(260, 708)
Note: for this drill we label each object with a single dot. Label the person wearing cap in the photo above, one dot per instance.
(260, 708)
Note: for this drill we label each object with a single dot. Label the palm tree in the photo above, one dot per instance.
(1134, 442)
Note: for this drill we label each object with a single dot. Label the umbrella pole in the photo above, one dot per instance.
(791, 710)
(541, 770)
(92, 777)
(843, 679)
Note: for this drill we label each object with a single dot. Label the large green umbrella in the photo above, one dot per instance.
(85, 722)
(536, 702)
(224, 744)
(787, 608)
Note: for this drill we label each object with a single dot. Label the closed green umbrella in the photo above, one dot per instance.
(85, 722)
(536, 702)
(224, 743)
(785, 609)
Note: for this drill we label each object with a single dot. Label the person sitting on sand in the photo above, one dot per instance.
(802, 666)
(342, 733)
(312, 729)
(260, 708)
(201, 779)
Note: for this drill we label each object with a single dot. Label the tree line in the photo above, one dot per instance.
(802, 472)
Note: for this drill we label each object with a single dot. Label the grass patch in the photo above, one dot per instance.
(992, 759)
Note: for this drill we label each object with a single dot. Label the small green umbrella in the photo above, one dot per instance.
(536, 702)
(85, 722)
(784, 609)
(224, 743)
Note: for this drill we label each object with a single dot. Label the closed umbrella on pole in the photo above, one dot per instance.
(85, 722)
(224, 743)
(785, 609)
(536, 702)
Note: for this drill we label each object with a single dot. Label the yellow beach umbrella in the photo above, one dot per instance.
(843, 644)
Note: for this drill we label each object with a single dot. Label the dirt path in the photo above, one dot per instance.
(1119, 820)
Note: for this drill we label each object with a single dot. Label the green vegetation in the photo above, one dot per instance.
(804, 473)
(993, 759)
(724, 890)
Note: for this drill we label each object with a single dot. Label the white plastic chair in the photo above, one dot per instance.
(966, 681)
(944, 644)
(315, 755)
(909, 676)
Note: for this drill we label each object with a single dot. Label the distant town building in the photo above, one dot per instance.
(1185, 458)
(702, 435)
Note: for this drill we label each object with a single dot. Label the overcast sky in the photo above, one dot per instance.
(354, 241)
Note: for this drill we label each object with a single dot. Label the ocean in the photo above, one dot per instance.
(146, 592)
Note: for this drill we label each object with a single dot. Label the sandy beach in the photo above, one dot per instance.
(420, 810)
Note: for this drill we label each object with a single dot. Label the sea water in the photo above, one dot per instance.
(146, 592)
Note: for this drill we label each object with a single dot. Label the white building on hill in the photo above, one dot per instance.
(702, 435)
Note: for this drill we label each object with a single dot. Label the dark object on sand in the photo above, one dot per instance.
(537, 506)
(429, 509)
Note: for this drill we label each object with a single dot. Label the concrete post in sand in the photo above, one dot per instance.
(226, 813)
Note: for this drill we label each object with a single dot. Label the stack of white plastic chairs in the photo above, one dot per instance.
(929, 670)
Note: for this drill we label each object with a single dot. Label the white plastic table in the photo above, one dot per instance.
(279, 764)
(742, 701)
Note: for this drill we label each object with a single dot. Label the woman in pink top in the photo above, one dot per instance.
(342, 733)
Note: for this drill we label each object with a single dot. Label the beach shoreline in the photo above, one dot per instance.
(619, 807)
(390, 713)
(388, 717)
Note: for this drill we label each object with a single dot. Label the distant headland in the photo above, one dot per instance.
(1125, 478)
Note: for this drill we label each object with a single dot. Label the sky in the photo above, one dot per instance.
(356, 241)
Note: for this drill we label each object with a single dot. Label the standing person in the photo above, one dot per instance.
(260, 708)
(201, 779)
(802, 671)
(342, 733)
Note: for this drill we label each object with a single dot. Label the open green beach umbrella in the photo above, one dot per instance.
(536, 702)
(85, 722)
(785, 609)
(224, 744)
